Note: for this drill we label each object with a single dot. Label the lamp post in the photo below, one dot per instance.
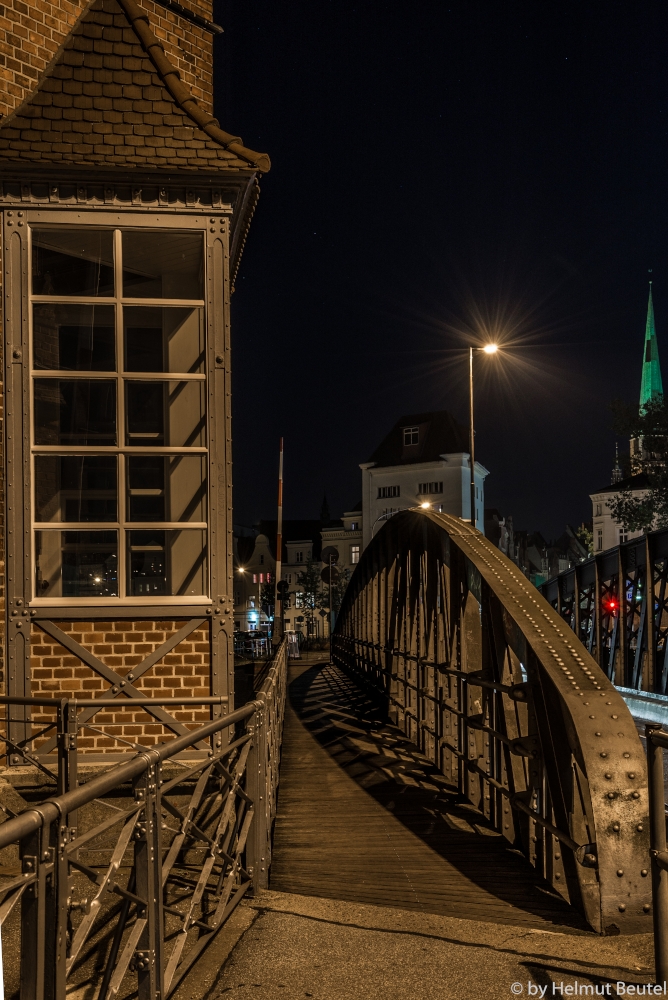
(487, 349)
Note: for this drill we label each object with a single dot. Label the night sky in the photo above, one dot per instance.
(444, 174)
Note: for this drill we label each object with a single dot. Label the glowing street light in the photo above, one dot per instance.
(425, 505)
(487, 349)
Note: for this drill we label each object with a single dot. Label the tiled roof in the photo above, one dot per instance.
(439, 434)
(638, 482)
(112, 98)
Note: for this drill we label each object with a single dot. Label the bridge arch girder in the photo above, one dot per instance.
(479, 670)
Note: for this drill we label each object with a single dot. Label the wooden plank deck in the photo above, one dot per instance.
(362, 816)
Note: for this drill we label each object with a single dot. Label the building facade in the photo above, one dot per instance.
(125, 208)
(424, 459)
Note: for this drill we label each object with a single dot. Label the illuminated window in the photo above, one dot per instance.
(119, 449)
(354, 553)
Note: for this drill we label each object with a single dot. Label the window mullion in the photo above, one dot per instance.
(120, 410)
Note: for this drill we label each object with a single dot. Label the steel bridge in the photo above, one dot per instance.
(483, 675)
(462, 752)
(617, 605)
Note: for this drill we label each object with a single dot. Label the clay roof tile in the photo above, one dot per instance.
(112, 61)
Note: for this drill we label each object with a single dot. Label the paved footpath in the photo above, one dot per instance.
(363, 822)
(304, 946)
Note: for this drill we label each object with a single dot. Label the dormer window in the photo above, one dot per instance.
(411, 436)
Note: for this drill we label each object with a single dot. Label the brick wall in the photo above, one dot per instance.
(31, 34)
(189, 48)
(122, 645)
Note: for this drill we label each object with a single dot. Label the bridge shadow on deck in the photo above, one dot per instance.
(363, 816)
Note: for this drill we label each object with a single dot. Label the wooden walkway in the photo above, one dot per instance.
(362, 816)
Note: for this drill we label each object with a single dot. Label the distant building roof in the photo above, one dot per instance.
(637, 482)
(438, 433)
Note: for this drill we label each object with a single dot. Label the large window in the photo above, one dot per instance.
(119, 449)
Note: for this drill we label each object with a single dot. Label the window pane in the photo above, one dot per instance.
(75, 412)
(74, 337)
(72, 262)
(167, 562)
(162, 488)
(75, 488)
(76, 564)
(165, 413)
(162, 265)
(163, 340)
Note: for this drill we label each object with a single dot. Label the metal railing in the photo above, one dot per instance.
(617, 604)
(657, 742)
(124, 880)
(483, 675)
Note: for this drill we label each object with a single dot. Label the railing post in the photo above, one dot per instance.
(33, 922)
(148, 958)
(657, 821)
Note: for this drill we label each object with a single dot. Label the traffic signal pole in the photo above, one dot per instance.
(277, 631)
(331, 609)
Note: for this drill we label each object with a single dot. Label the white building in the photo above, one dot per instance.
(346, 537)
(608, 533)
(424, 458)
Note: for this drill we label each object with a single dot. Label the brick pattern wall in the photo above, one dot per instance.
(188, 47)
(31, 34)
(122, 645)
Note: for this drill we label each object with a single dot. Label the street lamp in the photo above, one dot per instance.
(487, 349)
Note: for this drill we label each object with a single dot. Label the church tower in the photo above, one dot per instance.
(651, 385)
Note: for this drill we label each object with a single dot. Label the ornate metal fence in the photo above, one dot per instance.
(481, 673)
(123, 881)
(617, 605)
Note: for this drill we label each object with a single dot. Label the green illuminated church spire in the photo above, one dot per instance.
(651, 386)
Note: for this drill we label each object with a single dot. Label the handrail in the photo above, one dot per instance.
(193, 861)
(49, 810)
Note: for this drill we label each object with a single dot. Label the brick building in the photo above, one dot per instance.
(125, 208)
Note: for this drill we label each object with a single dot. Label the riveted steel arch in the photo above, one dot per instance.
(481, 672)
